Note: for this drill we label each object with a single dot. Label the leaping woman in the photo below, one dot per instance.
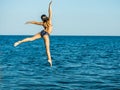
(47, 25)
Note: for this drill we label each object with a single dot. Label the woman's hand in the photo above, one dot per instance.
(28, 22)
(50, 3)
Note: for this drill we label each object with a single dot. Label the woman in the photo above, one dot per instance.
(47, 25)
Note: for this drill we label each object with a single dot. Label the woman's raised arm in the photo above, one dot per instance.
(50, 10)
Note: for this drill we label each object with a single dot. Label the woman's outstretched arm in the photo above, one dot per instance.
(34, 22)
(50, 10)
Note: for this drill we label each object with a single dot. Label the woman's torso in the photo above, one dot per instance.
(47, 26)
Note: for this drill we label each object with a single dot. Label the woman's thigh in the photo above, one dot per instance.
(36, 36)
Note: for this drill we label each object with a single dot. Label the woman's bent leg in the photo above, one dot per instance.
(36, 36)
(47, 45)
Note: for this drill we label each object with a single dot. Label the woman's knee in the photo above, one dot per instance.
(32, 39)
(29, 39)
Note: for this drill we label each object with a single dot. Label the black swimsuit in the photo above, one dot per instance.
(43, 32)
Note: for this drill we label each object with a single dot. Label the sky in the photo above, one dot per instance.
(70, 17)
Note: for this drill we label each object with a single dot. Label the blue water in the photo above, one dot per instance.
(79, 63)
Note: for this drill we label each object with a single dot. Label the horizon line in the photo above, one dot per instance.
(54, 35)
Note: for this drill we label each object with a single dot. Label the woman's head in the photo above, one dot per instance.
(44, 18)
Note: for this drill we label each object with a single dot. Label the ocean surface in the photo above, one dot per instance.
(79, 63)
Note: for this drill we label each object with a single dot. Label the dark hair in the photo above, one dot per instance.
(44, 18)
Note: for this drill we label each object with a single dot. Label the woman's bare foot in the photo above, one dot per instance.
(50, 61)
(16, 44)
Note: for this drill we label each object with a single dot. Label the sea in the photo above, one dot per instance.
(79, 63)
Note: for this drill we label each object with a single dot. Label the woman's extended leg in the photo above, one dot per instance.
(36, 36)
(47, 45)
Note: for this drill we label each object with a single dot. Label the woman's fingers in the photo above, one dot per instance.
(27, 22)
(50, 2)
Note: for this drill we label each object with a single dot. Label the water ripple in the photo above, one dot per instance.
(79, 63)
